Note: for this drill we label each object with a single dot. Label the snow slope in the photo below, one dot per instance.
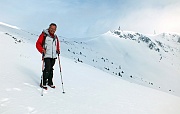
(152, 61)
(88, 89)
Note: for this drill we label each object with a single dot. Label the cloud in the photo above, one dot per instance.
(146, 20)
(141, 16)
(83, 17)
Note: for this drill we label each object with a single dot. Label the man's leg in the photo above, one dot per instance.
(46, 71)
(50, 82)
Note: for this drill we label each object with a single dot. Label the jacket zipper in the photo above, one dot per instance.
(53, 45)
(52, 49)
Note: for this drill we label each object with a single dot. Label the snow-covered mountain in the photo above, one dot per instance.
(149, 60)
(88, 89)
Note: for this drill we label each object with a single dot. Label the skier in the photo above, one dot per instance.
(48, 45)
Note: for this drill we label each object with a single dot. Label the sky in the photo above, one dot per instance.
(84, 18)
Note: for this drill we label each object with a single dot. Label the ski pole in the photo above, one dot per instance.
(42, 73)
(61, 74)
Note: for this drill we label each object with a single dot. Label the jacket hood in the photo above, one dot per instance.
(47, 32)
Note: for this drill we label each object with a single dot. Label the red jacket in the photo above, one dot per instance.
(39, 43)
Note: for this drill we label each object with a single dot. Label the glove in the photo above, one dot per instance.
(44, 51)
(58, 52)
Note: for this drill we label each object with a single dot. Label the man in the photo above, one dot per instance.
(48, 45)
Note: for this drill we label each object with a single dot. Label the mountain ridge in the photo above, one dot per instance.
(103, 52)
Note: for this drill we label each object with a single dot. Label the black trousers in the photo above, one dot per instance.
(48, 71)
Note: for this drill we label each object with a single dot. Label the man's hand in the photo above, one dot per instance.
(58, 52)
(44, 51)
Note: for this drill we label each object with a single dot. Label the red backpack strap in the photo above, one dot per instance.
(44, 39)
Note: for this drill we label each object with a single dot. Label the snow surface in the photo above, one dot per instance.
(152, 61)
(88, 89)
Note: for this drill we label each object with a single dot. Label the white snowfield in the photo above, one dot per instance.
(88, 89)
(151, 61)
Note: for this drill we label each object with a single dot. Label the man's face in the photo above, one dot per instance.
(52, 29)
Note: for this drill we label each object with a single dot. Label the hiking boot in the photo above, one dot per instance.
(43, 86)
(52, 86)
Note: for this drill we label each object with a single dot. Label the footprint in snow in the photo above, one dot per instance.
(33, 86)
(27, 84)
(4, 101)
(31, 110)
(13, 89)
